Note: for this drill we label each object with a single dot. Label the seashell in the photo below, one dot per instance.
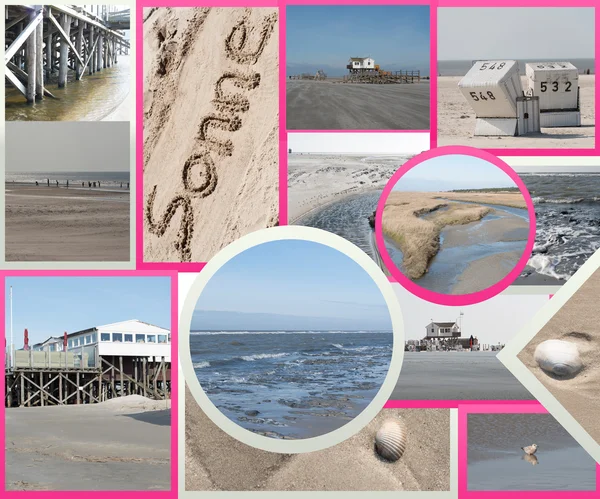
(558, 357)
(390, 440)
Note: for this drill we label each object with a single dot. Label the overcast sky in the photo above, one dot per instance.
(492, 321)
(67, 146)
(369, 143)
(515, 33)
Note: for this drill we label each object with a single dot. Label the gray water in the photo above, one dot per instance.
(91, 99)
(496, 461)
(460, 68)
(456, 376)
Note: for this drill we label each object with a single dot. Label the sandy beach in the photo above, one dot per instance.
(210, 129)
(324, 105)
(426, 227)
(315, 180)
(60, 224)
(116, 445)
(575, 322)
(456, 121)
(215, 461)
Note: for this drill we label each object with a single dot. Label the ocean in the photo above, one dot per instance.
(456, 376)
(106, 179)
(567, 207)
(496, 461)
(291, 384)
(460, 68)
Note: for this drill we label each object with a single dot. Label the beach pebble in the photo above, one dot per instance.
(558, 357)
(390, 440)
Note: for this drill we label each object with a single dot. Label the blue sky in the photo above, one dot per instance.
(326, 36)
(291, 279)
(49, 306)
(453, 171)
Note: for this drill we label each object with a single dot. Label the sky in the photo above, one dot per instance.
(453, 171)
(492, 321)
(49, 306)
(515, 33)
(362, 143)
(326, 36)
(76, 146)
(295, 279)
(557, 169)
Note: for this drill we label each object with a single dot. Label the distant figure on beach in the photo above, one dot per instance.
(82, 184)
(89, 184)
(98, 184)
(530, 450)
(94, 184)
(36, 182)
(67, 184)
(121, 185)
(128, 185)
(48, 182)
(57, 183)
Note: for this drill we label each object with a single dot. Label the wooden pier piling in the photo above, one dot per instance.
(43, 39)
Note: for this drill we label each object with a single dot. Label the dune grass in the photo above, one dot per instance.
(414, 222)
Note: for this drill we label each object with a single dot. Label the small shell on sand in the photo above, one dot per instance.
(390, 440)
(558, 357)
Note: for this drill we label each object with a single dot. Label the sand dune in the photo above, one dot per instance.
(575, 322)
(210, 128)
(215, 461)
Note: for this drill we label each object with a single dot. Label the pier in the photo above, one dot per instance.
(90, 366)
(44, 42)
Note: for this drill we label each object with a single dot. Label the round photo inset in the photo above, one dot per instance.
(292, 335)
(455, 226)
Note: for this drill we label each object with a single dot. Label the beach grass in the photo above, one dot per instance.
(414, 221)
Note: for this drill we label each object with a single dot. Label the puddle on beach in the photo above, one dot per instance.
(91, 99)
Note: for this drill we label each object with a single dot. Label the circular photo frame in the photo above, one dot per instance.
(454, 299)
(347, 430)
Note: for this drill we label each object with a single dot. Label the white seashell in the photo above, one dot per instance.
(558, 357)
(390, 440)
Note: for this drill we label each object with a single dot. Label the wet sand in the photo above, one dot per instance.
(48, 224)
(115, 445)
(215, 461)
(575, 322)
(317, 180)
(322, 105)
(466, 376)
(456, 121)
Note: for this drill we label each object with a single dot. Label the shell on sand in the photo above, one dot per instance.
(390, 440)
(558, 357)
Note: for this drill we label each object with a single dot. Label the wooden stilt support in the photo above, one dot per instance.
(39, 57)
(121, 373)
(79, 48)
(31, 61)
(64, 52)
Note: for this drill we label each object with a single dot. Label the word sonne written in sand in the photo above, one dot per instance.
(200, 165)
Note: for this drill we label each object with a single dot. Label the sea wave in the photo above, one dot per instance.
(545, 266)
(543, 200)
(259, 356)
(201, 365)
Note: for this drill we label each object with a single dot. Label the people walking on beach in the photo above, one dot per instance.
(57, 183)
(89, 184)
(94, 184)
(48, 182)
(36, 183)
(67, 184)
(127, 185)
(82, 184)
(98, 184)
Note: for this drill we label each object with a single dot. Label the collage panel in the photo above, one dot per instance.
(497, 92)
(374, 263)
(88, 381)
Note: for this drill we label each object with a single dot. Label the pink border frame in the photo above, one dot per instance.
(439, 298)
(172, 493)
(590, 151)
(464, 493)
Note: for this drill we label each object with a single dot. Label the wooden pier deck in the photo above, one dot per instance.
(43, 41)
